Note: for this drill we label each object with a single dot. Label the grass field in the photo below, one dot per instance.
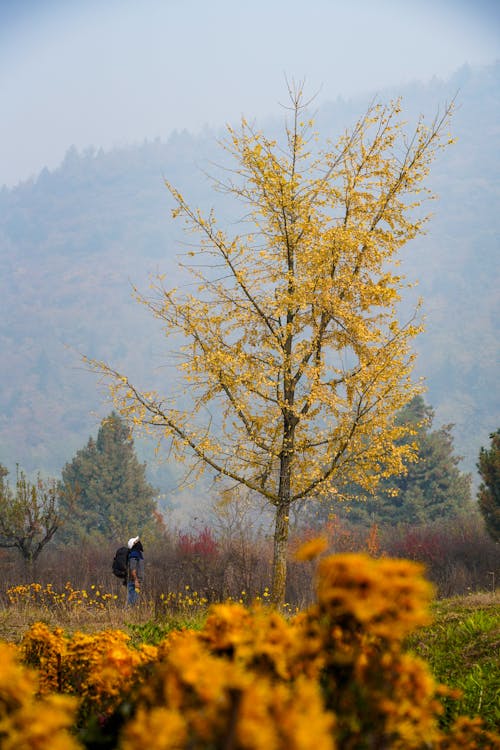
(462, 647)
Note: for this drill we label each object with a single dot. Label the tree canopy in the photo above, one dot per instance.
(295, 360)
(113, 499)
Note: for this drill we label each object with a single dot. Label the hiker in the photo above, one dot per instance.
(135, 572)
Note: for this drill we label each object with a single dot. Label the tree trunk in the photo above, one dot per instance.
(28, 568)
(281, 528)
(282, 522)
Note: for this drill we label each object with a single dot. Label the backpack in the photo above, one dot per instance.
(120, 563)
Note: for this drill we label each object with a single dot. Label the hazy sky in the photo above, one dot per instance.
(112, 72)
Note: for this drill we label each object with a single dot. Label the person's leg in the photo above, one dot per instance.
(131, 594)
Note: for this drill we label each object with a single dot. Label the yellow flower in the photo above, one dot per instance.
(28, 722)
(158, 729)
(389, 597)
(311, 549)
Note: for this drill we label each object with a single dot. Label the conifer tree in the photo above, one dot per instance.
(113, 498)
(295, 360)
(489, 491)
(430, 487)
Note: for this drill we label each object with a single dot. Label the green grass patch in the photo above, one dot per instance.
(154, 631)
(462, 648)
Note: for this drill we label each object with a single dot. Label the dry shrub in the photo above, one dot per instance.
(458, 554)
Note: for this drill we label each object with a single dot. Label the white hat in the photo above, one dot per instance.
(132, 541)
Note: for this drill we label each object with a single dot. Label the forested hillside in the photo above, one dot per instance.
(72, 242)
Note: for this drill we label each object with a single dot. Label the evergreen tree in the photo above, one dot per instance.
(489, 490)
(431, 487)
(114, 499)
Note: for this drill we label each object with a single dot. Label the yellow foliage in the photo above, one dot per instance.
(302, 330)
(25, 721)
(354, 587)
(469, 733)
(292, 337)
(97, 668)
(311, 549)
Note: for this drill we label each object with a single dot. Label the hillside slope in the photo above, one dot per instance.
(73, 240)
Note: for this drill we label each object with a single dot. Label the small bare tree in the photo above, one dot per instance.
(29, 515)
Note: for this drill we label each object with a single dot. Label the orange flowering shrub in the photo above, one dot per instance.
(352, 640)
(336, 676)
(27, 722)
(385, 598)
(43, 649)
(259, 639)
(98, 668)
(197, 699)
(469, 733)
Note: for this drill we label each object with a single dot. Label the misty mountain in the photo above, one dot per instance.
(74, 240)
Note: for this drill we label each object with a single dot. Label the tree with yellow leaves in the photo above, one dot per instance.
(294, 358)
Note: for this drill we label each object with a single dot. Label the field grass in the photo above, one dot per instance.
(462, 648)
(146, 623)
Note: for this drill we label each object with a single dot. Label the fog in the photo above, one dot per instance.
(89, 73)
